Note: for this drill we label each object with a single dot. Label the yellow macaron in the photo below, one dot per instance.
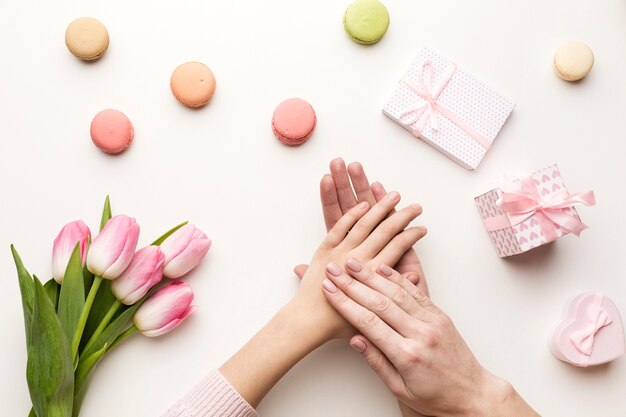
(87, 38)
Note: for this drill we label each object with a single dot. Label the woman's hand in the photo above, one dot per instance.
(376, 235)
(343, 189)
(414, 347)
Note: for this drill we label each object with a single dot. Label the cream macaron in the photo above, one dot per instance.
(87, 38)
(573, 61)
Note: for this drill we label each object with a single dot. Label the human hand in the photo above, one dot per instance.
(343, 189)
(376, 235)
(414, 347)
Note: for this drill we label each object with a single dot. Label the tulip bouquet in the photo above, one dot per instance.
(102, 292)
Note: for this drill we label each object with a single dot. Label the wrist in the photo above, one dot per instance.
(306, 324)
(498, 397)
(271, 353)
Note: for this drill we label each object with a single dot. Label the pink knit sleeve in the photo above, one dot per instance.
(214, 396)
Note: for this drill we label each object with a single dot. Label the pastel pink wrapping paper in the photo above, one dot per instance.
(528, 234)
(464, 97)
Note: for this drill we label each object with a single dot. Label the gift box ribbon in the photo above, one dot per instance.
(597, 317)
(427, 112)
(522, 200)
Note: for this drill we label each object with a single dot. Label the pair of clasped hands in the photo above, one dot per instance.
(365, 283)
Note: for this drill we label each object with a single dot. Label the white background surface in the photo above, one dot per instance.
(221, 168)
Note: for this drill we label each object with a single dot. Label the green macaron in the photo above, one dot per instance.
(366, 21)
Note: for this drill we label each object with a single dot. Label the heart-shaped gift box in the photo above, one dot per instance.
(591, 332)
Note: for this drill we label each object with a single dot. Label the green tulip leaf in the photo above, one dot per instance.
(168, 234)
(26, 289)
(72, 296)
(52, 290)
(32, 413)
(106, 213)
(113, 330)
(50, 370)
(101, 305)
(83, 375)
(87, 279)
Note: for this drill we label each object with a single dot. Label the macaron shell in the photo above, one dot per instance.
(87, 38)
(293, 121)
(193, 84)
(366, 21)
(573, 61)
(111, 131)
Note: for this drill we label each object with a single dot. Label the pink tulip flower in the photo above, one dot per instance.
(184, 250)
(113, 249)
(143, 273)
(165, 309)
(73, 233)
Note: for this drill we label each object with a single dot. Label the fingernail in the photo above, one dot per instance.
(358, 345)
(385, 270)
(416, 207)
(414, 278)
(333, 270)
(329, 286)
(394, 196)
(354, 265)
(423, 228)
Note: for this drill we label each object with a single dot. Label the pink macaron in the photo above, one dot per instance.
(111, 131)
(293, 121)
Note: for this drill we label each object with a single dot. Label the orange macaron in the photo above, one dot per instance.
(193, 84)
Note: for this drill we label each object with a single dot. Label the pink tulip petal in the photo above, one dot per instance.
(107, 246)
(188, 259)
(167, 304)
(172, 325)
(126, 253)
(177, 242)
(144, 271)
(73, 233)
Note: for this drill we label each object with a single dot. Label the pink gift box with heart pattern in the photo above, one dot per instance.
(531, 211)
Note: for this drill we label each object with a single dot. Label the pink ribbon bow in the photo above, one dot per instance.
(427, 112)
(522, 200)
(597, 317)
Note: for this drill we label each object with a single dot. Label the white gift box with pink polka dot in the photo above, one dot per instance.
(464, 105)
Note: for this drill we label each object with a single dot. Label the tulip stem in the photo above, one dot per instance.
(84, 315)
(104, 323)
(131, 330)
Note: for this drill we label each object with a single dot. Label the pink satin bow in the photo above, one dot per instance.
(427, 112)
(522, 200)
(597, 317)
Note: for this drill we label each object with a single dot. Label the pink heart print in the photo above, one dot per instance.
(522, 227)
(591, 332)
(545, 178)
(555, 174)
(523, 240)
(533, 222)
(533, 236)
(556, 187)
(545, 191)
